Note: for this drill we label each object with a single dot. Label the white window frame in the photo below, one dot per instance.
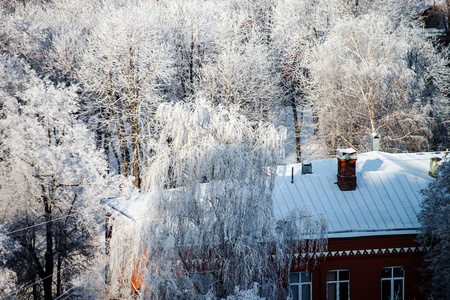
(392, 280)
(298, 285)
(338, 282)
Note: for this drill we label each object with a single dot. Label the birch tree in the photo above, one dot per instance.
(124, 72)
(375, 75)
(213, 230)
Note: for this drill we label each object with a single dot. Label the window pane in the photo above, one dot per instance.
(332, 276)
(331, 291)
(294, 292)
(386, 290)
(343, 291)
(306, 292)
(398, 272)
(306, 277)
(344, 275)
(398, 289)
(386, 273)
(293, 278)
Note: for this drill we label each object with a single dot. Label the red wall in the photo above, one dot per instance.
(365, 268)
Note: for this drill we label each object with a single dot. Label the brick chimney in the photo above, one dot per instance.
(346, 169)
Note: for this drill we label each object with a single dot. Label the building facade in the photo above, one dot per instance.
(376, 267)
(371, 201)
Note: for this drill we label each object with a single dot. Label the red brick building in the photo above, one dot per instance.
(371, 201)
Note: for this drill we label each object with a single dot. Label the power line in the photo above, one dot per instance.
(64, 293)
(43, 223)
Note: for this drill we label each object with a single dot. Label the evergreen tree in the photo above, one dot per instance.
(435, 232)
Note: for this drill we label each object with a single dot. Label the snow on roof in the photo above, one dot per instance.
(134, 207)
(386, 200)
(349, 153)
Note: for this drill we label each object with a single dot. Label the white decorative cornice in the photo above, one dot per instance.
(361, 252)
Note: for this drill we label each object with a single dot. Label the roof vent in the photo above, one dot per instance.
(346, 169)
(375, 139)
(306, 167)
(434, 166)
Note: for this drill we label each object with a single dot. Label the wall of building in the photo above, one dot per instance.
(365, 257)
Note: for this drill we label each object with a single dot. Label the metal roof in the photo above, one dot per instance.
(386, 200)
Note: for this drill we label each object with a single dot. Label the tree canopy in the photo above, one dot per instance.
(435, 231)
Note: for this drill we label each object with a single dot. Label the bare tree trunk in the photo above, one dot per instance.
(106, 148)
(191, 66)
(58, 276)
(297, 128)
(133, 106)
(135, 142)
(35, 292)
(119, 127)
(116, 156)
(48, 257)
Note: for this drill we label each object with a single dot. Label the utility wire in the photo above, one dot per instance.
(64, 293)
(43, 223)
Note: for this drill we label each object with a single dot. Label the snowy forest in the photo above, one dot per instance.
(193, 103)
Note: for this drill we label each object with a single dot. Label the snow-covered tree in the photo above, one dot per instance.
(7, 276)
(298, 26)
(376, 74)
(52, 178)
(49, 35)
(192, 34)
(435, 232)
(207, 226)
(22, 33)
(125, 69)
(241, 70)
(70, 23)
